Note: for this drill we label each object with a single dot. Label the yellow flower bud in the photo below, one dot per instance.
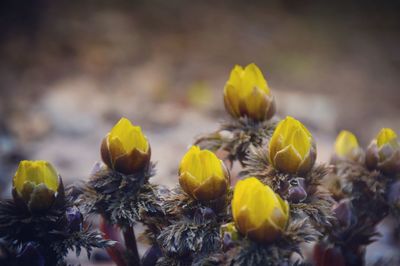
(259, 213)
(125, 148)
(202, 175)
(230, 229)
(346, 145)
(384, 152)
(291, 147)
(246, 93)
(36, 183)
(387, 137)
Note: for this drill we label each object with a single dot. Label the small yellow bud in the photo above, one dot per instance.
(246, 93)
(384, 152)
(230, 229)
(387, 137)
(258, 212)
(36, 183)
(346, 145)
(125, 148)
(202, 175)
(291, 148)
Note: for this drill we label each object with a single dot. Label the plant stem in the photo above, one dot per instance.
(130, 243)
(116, 252)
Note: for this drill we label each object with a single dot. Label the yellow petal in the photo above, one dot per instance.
(116, 148)
(188, 183)
(130, 136)
(301, 142)
(345, 143)
(211, 165)
(191, 163)
(212, 188)
(291, 125)
(231, 98)
(20, 176)
(50, 176)
(254, 78)
(276, 141)
(256, 103)
(281, 213)
(235, 77)
(287, 160)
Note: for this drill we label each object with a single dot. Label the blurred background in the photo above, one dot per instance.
(70, 69)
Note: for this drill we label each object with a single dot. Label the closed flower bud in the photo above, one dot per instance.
(246, 94)
(297, 194)
(229, 235)
(258, 212)
(74, 219)
(292, 148)
(35, 183)
(202, 175)
(346, 146)
(125, 149)
(230, 229)
(384, 152)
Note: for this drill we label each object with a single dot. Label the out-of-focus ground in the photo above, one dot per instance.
(69, 70)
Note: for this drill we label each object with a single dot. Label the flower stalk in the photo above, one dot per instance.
(131, 245)
(363, 187)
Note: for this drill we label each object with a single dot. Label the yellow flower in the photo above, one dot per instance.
(246, 93)
(35, 183)
(384, 152)
(202, 175)
(291, 148)
(346, 145)
(125, 148)
(259, 213)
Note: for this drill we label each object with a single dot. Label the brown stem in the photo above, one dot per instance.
(116, 252)
(130, 243)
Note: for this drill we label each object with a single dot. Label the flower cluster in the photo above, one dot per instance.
(365, 186)
(275, 206)
(384, 152)
(280, 200)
